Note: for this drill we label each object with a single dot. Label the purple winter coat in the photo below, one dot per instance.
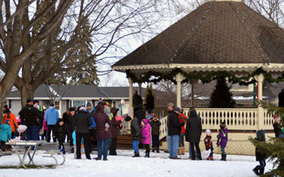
(101, 119)
(146, 132)
(223, 137)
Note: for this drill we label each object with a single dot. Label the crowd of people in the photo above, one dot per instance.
(87, 125)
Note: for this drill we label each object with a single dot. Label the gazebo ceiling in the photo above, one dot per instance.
(217, 34)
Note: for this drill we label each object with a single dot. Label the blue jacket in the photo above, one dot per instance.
(5, 132)
(92, 117)
(51, 116)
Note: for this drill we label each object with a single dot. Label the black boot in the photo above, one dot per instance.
(255, 170)
(148, 154)
(261, 171)
(136, 155)
(158, 151)
(224, 156)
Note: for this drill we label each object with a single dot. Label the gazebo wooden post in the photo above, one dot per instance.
(192, 82)
(179, 78)
(131, 111)
(260, 109)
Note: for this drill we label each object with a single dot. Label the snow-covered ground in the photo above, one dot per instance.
(124, 165)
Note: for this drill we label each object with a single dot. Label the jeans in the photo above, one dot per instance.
(196, 144)
(32, 133)
(181, 140)
(155, 141)
(87, 143)
(103, 146)
(174, 145)
(223, 150)
(169, 141)
(135, 145)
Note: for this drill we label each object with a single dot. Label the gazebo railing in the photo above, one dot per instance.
(235, 119)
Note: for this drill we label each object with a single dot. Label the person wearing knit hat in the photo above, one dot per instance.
(208, 143)
(276, 127)
(135, 134)
(223, 139)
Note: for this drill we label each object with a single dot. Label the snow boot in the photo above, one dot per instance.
(255, 170)
(72, 150)
(261, 171)
(136, 155)
(224, 156)
(180, 151)
(158, 151)
(147, 154)
(211, 158)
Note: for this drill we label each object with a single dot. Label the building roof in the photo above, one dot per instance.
(78, 91)
(216, 32)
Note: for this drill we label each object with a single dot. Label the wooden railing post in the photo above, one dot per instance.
(260, 110)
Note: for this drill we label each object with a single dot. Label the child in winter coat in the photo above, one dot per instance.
(135, 134)
(61, 134)
(5, 134)
(260, 157)
(146, 134)
(182, 119)
(223, 139)
(155, 124)
(208, 144)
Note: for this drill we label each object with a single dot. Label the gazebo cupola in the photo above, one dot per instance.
(219, 38)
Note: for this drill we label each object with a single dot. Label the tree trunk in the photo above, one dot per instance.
(26, 92)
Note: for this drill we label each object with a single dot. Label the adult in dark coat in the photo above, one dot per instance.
(115, 127)
(82, 123)
(140, 114)
(69, 125)
(277, 128)
(193, 132)
(31, 117)
(174, 127)
(281, 98)
(103, 134)
(150, 102)
(137, 101)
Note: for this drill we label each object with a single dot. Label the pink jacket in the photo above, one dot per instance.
(146, 132)
(44, 125)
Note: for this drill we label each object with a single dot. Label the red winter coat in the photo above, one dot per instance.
(182, 127)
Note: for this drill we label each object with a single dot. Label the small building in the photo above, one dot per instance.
(65, 97)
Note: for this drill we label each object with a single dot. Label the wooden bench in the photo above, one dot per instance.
(52, 154)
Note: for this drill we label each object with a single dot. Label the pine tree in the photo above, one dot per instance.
(274, 148)
(221, 96)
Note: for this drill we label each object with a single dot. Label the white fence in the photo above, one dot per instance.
(234, 118)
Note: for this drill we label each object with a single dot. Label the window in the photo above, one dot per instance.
(78, 103)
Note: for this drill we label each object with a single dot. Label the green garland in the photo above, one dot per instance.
(242, 80)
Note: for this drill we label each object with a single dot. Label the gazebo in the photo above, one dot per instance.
(220, 38)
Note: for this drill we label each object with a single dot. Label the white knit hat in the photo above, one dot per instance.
(82, 109)
(208, 132)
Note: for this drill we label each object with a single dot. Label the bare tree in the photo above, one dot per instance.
(17, 42)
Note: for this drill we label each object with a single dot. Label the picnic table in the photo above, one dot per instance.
(28, 146)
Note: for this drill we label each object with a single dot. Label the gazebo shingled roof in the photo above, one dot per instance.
(216, 32)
